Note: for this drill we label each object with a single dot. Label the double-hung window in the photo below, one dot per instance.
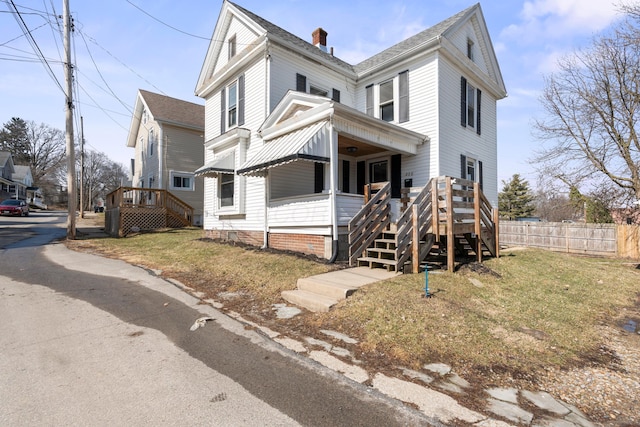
(386, 101)
(470, 103)
(389, 100)
(232, 95)
(232, 105)
(231, 46)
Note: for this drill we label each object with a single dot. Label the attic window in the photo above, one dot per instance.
(232, 46)
(470, 49)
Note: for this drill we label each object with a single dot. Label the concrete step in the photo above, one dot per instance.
(309, 300)
(326, 287)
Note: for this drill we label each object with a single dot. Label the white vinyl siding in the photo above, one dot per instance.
(243, 38)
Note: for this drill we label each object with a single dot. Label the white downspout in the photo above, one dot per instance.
(160, 158)
(333, 179)
(267, 82)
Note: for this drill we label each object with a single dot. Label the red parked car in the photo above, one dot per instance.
(14, 207)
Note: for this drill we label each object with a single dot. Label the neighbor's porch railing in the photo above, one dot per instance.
(130, 208)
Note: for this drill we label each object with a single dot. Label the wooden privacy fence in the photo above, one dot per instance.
(588, 239)
(130, 208)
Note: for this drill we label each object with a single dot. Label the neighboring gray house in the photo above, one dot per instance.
(293, 133)
(167, 136)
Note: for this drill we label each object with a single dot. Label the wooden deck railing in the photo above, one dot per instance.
(146, 209)
(372, 219)
(445, 209)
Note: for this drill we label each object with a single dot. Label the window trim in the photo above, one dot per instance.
(232, 108)
(466, 109)
(181, 174)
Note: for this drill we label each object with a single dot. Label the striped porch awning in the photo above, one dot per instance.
(307, 143)
(223, 164)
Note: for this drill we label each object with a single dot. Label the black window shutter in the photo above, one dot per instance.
(463, 166)
(360, 177)
(404, 96)
(396, 175)
(479, 101)
(241, 100)
(369, 100)
(301, 83)
(346, 171)
(318, 182)
(480, 180)
(335, 95)
(223, 107)
(463, 101)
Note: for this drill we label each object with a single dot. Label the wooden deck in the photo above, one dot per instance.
(451, 213)
(130, 208)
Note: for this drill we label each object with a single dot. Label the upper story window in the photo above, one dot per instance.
(232, 112)
(470, 52)
(470, 103)
(314, 90)
(231, 45)
(389, 100)
(232, 105)
(150, 142)
(386, 101)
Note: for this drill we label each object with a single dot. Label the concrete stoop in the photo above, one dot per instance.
(321, 292)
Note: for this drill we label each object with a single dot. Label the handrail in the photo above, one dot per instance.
(369, 222)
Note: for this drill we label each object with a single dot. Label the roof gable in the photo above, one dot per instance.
(258, 30)
(164, 109)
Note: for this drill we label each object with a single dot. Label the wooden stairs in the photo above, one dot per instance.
(448, 216)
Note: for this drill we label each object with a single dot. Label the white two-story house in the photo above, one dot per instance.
(293, 133)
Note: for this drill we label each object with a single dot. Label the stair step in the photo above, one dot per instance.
(331, 289)
(309, 300)
(382, 250)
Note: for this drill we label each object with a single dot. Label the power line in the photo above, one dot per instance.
(34, 44)
(167, 25)
(92, 40)
(102, 77)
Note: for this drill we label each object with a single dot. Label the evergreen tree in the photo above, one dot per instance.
(516, 200)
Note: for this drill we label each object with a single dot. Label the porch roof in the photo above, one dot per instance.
(223, 164)
(305, 143)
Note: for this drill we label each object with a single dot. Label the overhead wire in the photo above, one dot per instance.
(34, 45)
(165, 24)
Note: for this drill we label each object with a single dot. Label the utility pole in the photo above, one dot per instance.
(71, 157)
(81, 167)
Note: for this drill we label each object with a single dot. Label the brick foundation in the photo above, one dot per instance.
(304, 243)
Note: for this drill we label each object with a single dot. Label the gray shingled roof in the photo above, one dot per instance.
(167, 109)
(369, 63)
(295, 40)
(420, 38)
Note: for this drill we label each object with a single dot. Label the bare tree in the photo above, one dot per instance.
(101, 176)
(593, 107)
(37, 145)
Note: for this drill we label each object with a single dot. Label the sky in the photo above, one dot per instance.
(120, 46)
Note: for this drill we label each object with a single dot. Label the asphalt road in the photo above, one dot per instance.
(87, 340)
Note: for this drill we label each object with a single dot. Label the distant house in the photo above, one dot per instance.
(167, 136)
(9, 188)
(293, 133)
(33, 195)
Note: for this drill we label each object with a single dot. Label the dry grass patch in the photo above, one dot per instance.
(540, 310)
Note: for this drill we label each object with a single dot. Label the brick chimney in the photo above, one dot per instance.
(320, 39)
